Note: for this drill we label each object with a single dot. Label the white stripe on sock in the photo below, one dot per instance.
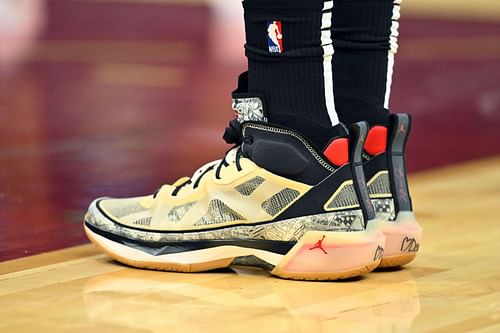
(388, 80)
(326, 20)
(393, 49)
(328, 51)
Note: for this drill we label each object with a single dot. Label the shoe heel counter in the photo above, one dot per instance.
(357, 137)
(396, 149)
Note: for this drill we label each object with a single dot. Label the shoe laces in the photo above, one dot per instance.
(232, 135)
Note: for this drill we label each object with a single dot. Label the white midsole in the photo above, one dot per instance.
(187, 257)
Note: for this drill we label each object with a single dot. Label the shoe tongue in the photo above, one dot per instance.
(248, 107)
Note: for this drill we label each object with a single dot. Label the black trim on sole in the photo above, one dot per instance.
(170, 247)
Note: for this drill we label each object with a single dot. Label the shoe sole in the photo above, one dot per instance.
(317, 255)
(402, 243)
(397, 260)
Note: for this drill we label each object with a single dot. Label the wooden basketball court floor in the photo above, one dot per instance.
(453, 286)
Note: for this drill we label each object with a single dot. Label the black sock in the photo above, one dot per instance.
(361, 34)
(294, 74)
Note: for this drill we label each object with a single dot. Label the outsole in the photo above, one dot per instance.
(316, 267)
(397, 260)
(170, 267)
(347, 274)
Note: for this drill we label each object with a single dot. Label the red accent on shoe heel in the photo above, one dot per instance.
(337, 151)
(376, 141)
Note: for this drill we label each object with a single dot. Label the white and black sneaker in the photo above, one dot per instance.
(273, 201)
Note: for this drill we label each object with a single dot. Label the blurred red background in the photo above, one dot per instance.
(118, 97)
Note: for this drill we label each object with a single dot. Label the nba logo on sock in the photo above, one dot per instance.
(274, 37)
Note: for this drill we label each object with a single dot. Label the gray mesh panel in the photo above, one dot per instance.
(280, 200)
(146, 221)
(177, 213)
(218, 212)
(345, 198)
(249, 186)
(349, 221)
(380, 186)
(384, 208)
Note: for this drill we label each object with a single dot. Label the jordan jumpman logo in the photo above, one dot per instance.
(319, 245)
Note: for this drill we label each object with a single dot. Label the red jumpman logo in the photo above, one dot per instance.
(402, 128)
(319, 245)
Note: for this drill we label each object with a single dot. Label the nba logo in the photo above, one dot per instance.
(274, 37)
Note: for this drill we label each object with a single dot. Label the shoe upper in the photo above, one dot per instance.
(274, 175)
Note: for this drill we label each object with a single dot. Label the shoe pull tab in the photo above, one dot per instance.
(400, 130)
(357, 137)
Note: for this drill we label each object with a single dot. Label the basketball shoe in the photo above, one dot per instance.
(385, 170)
(273, 201)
